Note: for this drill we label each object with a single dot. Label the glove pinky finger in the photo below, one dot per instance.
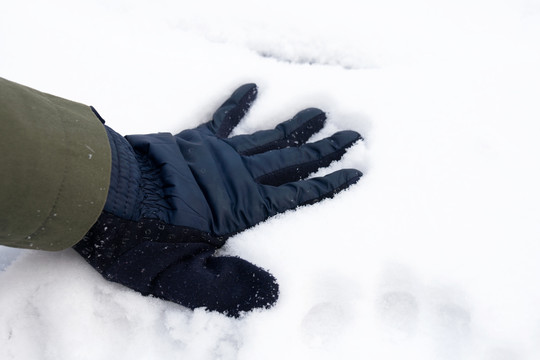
(305, 192)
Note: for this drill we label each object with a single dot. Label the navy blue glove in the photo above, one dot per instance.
(175, 199)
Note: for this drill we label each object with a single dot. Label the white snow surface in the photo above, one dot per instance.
(434, 254)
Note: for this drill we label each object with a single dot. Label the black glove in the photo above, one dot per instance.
(174, 200)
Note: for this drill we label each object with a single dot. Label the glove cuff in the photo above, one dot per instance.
(125, 186)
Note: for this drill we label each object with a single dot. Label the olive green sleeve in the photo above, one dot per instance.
(55, 165)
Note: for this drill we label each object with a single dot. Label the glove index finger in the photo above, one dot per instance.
(229, 114)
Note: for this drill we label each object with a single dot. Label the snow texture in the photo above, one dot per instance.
(435, 254)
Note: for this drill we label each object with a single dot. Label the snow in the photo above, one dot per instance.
(433, 255)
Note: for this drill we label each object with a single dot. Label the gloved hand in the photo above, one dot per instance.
(174, 200)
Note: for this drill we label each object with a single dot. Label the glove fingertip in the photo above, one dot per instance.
(337, 182)
(353, 176)
(346, 138)
(245, 95)
(249, 87)
(313, 120)
(300, 128)
(233, 110)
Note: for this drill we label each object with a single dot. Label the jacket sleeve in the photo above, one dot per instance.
(55, 165)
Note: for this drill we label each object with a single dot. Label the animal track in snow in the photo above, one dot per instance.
(399, 310)
(329, 316)
(323, 323)
(397, 301)
(406, 306)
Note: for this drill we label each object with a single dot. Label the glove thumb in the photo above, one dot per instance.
(228, 285)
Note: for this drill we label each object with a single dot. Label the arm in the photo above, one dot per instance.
(55, 165)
